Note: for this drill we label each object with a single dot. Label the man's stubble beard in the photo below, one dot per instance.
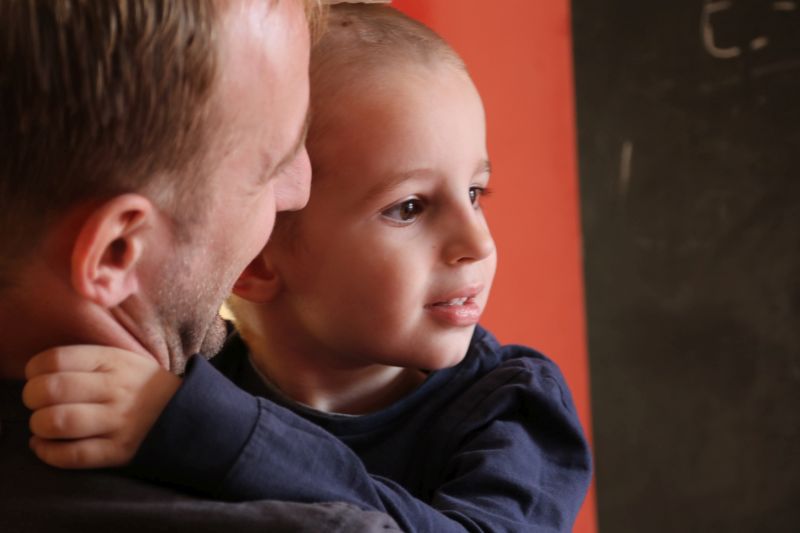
(189, 301)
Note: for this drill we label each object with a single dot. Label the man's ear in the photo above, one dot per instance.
(260, 281)
(109, 247)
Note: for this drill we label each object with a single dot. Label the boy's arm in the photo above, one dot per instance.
(219, 439)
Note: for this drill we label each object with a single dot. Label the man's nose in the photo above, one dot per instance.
(293, 188)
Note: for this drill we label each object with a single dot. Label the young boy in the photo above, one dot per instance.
(359, 324)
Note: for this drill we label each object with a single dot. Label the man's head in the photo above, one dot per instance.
(145, 149)
(98, 98)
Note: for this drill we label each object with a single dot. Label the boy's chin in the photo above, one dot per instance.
(450, 351)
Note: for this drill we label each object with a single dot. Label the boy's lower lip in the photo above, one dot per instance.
(466, 314)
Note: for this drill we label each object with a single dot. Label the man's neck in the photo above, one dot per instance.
(42, 311)
(20, 341)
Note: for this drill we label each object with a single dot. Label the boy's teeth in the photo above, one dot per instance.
(455, 301)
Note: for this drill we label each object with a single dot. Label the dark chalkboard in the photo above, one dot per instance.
(689, 143)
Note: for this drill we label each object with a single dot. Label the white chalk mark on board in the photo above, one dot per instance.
(784, 6)
(759, 42)
(625, 166)
(707, 30)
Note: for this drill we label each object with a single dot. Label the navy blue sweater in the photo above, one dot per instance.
(492, 444)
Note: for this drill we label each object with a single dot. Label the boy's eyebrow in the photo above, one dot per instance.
(394, 180)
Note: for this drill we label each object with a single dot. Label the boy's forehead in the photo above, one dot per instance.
(391, 128)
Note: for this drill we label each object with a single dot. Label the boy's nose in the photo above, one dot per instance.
(470, 239)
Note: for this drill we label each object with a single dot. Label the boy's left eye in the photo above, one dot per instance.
(475, 194)
(404, 212)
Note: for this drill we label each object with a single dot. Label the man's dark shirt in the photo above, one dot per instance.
(36, 498)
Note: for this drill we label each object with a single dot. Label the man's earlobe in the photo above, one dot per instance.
(108, 249)
(260, 281)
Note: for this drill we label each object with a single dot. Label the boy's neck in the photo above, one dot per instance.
(327, 387)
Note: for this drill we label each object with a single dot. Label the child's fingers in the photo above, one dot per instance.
(73, 421)
(84, 453)
(78, 358)
(83, 358)
(67, 387)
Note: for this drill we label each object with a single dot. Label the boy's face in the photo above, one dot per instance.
(392, 260)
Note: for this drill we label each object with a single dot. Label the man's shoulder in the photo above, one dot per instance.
(35, 497)
(121, 509)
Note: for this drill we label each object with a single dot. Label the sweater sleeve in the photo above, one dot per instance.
(242, 448)
(517, 456)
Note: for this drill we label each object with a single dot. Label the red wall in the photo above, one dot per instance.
(519, 54)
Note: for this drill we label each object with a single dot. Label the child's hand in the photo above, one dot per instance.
(93, 405)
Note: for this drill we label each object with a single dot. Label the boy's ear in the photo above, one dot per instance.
(109, 247)
(260, 281)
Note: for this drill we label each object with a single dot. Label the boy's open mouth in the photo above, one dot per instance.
(463, 296)
(459, 308)
(454, 301)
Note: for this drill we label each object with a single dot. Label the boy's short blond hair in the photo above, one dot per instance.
(360, 39)
(365, 35)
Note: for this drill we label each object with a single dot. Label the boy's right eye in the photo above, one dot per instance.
(404, 212)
